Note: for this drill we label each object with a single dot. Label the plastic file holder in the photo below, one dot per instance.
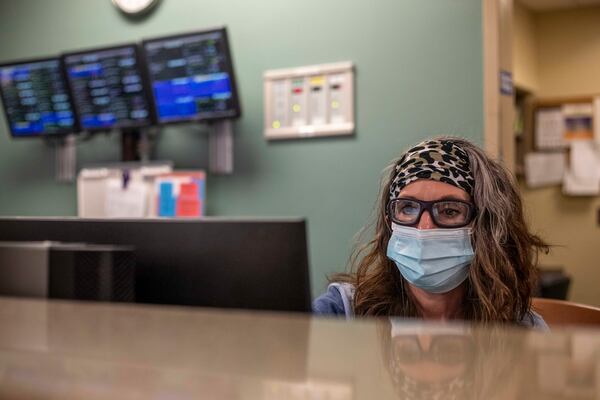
(98, 186)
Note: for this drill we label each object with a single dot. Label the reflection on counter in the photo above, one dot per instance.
(52, 349)
(461, 361)
(277, 390)
(451, 361)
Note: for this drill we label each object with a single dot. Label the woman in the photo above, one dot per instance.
(450, 243)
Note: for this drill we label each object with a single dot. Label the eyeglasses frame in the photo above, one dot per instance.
(428, 206)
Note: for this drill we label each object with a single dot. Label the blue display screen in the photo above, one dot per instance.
(190, 77)
(35, 98)
(108, 90)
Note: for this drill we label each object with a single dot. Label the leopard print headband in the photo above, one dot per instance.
(439, 160)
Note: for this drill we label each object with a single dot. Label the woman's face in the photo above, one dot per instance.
(428, 190)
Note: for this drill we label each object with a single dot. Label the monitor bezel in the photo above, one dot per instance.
(141, 70)
(75, 129)
(230, 70)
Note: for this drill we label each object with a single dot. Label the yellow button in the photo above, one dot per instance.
(276, 124)
(317, 80)
(335, 104)
(296, 108)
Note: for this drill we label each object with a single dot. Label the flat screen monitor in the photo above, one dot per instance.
(36, 99)
(191, 77)
(211, 262)
(108, 88)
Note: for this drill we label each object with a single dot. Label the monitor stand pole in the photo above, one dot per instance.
(220, 147)
(65, 159)
(135, 145)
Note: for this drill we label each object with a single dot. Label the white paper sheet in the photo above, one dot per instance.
(585, 159)
(549, 129)
(129, 202)
(583, 176)
(544, 169)
(578, 186)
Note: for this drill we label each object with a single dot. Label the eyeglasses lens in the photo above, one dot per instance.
(450, 213)
(406, 211)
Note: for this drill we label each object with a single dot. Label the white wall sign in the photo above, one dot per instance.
(309, 101)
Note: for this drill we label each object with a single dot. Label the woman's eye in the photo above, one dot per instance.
(409, 210)
(451, 213)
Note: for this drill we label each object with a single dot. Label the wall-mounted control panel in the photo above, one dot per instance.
(309, 101)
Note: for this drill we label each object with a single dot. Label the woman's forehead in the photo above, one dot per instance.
(429, 190)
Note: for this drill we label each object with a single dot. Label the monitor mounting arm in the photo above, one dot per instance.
(65, 158)
(220, 147)
(135, 144)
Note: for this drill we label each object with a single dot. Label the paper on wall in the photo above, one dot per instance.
(128, 202)
(549, 129)
(585, 160)
(578, 121)
(543, 169)
(583, 175)
(580, 186)
(597, 119)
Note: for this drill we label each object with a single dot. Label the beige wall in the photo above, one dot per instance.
(525, 65)
(569, 223)
(569, 52)
(568, 64)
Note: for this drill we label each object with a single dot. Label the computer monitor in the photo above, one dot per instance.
(213, 262)
(192, 77)
(35, 98)
(108, 88)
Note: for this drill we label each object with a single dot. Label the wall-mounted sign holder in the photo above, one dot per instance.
(220, 147)
(65, 159)
(309, 101)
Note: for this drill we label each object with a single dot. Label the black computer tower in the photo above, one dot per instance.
(75, 271)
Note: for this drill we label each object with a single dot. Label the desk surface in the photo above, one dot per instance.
(59, 349)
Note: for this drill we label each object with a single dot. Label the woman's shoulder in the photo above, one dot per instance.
(535, 321)
(337, 300)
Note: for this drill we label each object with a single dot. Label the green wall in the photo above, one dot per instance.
(418, 73)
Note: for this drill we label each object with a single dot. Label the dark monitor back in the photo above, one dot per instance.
(250, 264)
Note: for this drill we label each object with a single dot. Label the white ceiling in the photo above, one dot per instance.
(547, 5)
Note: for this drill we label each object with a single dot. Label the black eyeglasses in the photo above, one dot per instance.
(445, 213)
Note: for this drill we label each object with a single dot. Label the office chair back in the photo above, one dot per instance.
(561, 312)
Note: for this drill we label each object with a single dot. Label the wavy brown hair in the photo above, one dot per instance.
(502, 275)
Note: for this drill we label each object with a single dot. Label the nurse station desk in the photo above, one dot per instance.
(58, 349)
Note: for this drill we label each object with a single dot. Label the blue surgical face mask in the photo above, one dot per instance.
(435, 260)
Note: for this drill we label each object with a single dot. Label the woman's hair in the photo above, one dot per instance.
(502, 274)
